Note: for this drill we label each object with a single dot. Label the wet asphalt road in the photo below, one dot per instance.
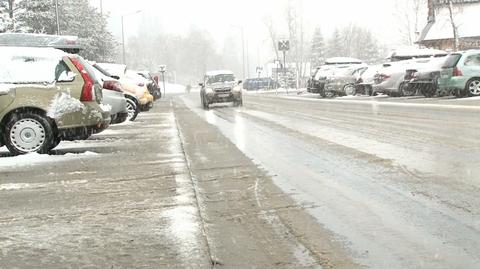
(283, 182)
(396, 181)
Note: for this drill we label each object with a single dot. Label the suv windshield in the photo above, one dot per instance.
(220, 78)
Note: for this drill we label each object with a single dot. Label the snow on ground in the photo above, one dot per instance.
(173, 88)
(35, 158)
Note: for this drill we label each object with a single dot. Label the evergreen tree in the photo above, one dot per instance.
(336, 46)
(317, 54)
(77, 17)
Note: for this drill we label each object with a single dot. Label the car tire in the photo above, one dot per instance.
(406, 90)
(473, 87)
(349, 90)
(28, 132)
(55, 142)
(132, 109)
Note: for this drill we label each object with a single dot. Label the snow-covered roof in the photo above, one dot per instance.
(465, 17)
(218, 72)
(39, 40)
(34, 52)
(114, 69)
(342, 60)
(412, 52)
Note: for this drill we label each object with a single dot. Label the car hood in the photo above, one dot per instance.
(219, 85)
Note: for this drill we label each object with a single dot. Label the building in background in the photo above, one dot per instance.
(438, 33)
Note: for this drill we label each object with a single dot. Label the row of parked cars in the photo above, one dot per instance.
(50, 94)
(415, 71)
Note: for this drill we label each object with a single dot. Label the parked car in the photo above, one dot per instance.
(135, 85)
(461, 73)
(113, 96)
(365, 81)
(47, 96)
(132, 97)
(316, 83)
(152, 84)
(391, 78)
(342, 81)
(253, 84)
(220, 87)
(424, 79)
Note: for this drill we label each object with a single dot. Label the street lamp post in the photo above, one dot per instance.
(123, 35)
(243, 48)
(57, 17)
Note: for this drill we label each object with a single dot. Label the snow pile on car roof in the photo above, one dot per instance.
(28, 65)
(342, 60)
(39, 40)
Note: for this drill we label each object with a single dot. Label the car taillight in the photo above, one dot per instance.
(88, 90)
(383, 77)
(112, 85)
(457, 72)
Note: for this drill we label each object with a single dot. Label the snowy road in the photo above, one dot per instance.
(396, 183)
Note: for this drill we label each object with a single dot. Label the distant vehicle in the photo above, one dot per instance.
(47, 96)
(461, 73)
(220, 87)
(152, 85)
(342, 81)
(424, 80)
(252, 84)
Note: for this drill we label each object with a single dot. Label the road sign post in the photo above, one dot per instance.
(284, 46)
(163, 69)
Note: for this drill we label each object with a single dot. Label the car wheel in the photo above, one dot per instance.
(28, 132)
(473, 87)
(132, 109)
(55, 142)
(428, 91)
(406, 90)
(350, 90)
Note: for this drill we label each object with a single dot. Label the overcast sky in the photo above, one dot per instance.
(219, 16)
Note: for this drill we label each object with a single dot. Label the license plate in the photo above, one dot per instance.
(223, 95)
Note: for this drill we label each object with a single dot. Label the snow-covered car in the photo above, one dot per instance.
(113, 96)
(220, 87)
(391, 78)
(342, 81)
(152, 84)
(47, 96)
(461, 73)
(424, 79)
(135, 85)
(366, 79)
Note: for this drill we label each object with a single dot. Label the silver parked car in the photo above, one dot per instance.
(113, 96)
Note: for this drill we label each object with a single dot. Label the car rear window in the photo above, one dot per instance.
(451, 60)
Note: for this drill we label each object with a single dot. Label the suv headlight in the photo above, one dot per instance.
(208, 90)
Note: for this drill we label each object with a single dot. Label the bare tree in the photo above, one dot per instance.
(272, 34)
(409, 14)
(454, 26)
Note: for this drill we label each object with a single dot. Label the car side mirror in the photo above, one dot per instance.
(156, 78)
(201, 84)
(240, 82)
(66, 76)
(115, 77)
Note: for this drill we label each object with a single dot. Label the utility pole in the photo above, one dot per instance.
(57, 17)
(123, 44)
